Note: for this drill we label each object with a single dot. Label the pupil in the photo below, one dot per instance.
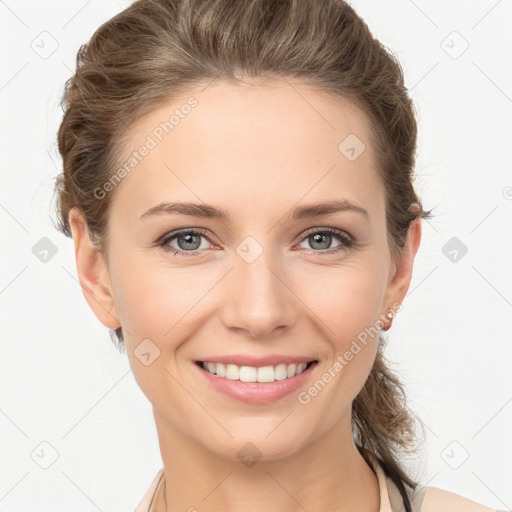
(188, 240)
(317, 238)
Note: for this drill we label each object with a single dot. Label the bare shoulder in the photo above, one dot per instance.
(441, 500)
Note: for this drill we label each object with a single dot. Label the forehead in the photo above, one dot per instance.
(238, 142)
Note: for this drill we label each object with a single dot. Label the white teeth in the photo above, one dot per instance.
(232, 372)
(255, 374)
(290, 370)
(280, 372)
(266, 374)
(220, 369)
(248, 374)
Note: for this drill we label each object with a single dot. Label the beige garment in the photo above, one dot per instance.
(424, 499)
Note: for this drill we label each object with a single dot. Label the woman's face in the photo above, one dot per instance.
(272, 279)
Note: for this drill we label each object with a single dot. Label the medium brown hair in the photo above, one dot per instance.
(156, 49)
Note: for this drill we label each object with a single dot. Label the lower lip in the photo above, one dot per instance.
(257, 392)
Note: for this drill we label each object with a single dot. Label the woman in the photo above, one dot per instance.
(238, 185)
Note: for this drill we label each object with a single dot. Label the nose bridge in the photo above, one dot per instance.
(259, 299)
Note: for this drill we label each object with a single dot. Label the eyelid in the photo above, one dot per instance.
(324, 229)
(163, 241)
(169, 235)
(347, 240)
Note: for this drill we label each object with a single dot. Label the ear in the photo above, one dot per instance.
(93, 272)
(401, 270)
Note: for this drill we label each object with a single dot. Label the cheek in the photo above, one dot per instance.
(152, 300)
(346, 299)
(155, 307)
(347, 305)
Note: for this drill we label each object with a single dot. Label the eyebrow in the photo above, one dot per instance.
(211, 212)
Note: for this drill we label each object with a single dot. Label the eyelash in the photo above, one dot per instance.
(347, 242)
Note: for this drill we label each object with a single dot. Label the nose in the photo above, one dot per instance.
(259, 298)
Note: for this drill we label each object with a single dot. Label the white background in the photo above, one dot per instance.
(64, 383)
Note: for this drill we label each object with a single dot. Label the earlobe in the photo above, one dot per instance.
(402, 274)
(92, 272)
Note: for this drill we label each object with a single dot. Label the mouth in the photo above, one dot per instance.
(256, 374)
(256, 384)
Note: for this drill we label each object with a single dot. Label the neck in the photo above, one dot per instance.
(327, 474)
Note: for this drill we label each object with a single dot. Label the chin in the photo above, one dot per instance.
(264, 444)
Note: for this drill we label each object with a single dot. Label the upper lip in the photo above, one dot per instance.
(248, 360)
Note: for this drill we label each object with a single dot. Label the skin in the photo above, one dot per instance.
(256, 151)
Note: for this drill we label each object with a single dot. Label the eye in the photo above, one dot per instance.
(188, 241)
(321, 239)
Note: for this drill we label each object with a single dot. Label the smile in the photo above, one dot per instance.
(256, 384)
(253, 373)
